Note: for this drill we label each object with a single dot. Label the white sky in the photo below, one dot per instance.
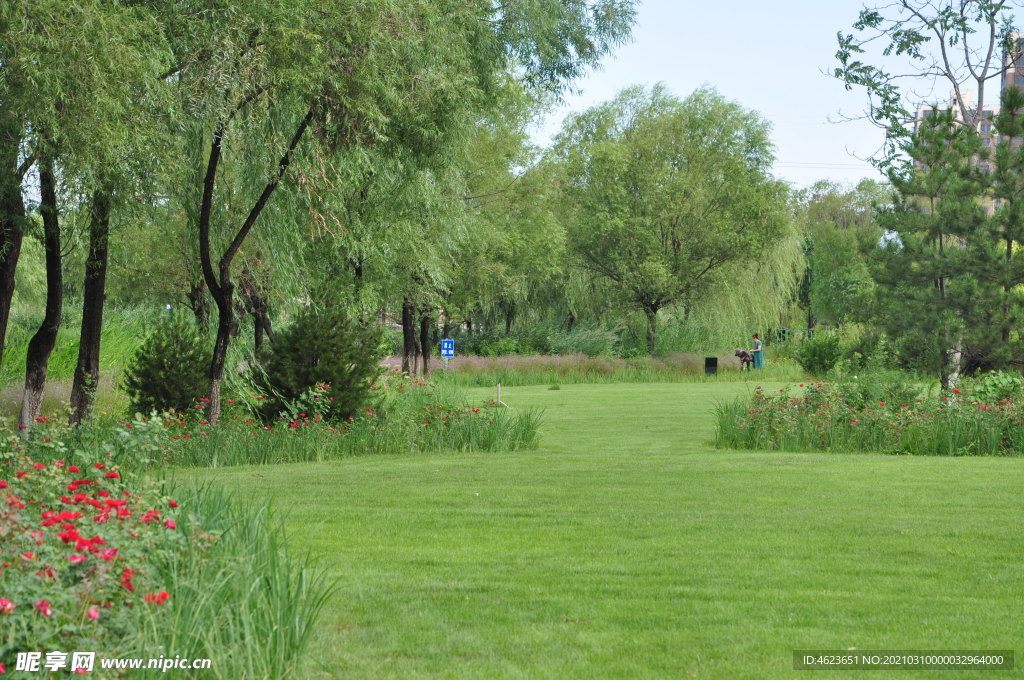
(768, 55)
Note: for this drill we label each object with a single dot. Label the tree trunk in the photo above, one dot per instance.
(652, 322)
(570, 321)
(42, 343)
(425, 346)
(408, 337)
(510, 315)
(225, 330)
(12, 224)
(446, 328)
(199, 303)
(87, 372)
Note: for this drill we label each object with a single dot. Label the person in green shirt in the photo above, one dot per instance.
(758, 352)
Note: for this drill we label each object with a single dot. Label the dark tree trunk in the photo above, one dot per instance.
(42, 343)
(469, 326)
(254, 298)
(570, 321)
(652, 324)
(510, 315)
(87, 372)
(225, 331)
(409, 337)
(446, 329)
(199, 303)
(425, 345)
(12, 221)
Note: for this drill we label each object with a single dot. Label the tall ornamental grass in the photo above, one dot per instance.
(247, 601)
(818, 416)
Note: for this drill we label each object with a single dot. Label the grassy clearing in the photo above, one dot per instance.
(625, 546)
(539, 369)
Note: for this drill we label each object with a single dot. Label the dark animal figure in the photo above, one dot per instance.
(746, 359)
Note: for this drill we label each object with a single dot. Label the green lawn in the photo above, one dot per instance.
(627, 546)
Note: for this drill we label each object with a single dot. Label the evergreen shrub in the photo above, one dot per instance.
(322, 347)
(170, 369)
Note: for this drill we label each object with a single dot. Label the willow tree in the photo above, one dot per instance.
(661, 194)
(71, 77)
(274, 86)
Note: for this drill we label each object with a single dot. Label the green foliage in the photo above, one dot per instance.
(819, 353)
(996, 387)
(321, 347)
(170, 369)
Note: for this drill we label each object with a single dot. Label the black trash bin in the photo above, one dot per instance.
(710, 365)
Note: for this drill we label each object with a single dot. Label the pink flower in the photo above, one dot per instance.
(77, 559)
(93, 613)
(170, 524)
(44, 607)
(108, 554)
(6, 606)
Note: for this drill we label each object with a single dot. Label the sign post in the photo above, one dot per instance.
(447, 351)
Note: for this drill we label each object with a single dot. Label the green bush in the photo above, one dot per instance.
(998, 387)
(819, 353)
(321, 347)
(170, 369)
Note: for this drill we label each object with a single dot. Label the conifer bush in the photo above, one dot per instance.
(170, 369)
(322, 347)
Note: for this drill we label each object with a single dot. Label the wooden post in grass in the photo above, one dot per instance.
(499, 398)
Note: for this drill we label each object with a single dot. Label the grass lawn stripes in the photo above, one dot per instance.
(627, 546)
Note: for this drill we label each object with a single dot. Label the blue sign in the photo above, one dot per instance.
(448, 348)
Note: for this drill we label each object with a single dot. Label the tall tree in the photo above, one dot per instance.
(662, 193)
(927, 284)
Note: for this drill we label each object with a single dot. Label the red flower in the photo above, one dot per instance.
(956, 390)
(44, 607)
(172, 504)
(158, 598)
(6, 606)
(73, 468)
(39, 466)
(170, 524)
(93, 614)
(112, 475)
(126, 579)
(99, 466)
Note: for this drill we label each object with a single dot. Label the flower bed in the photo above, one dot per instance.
(818, 416)
(75, 549)
(408, 415)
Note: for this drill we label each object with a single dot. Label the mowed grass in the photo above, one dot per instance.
(628, 547)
